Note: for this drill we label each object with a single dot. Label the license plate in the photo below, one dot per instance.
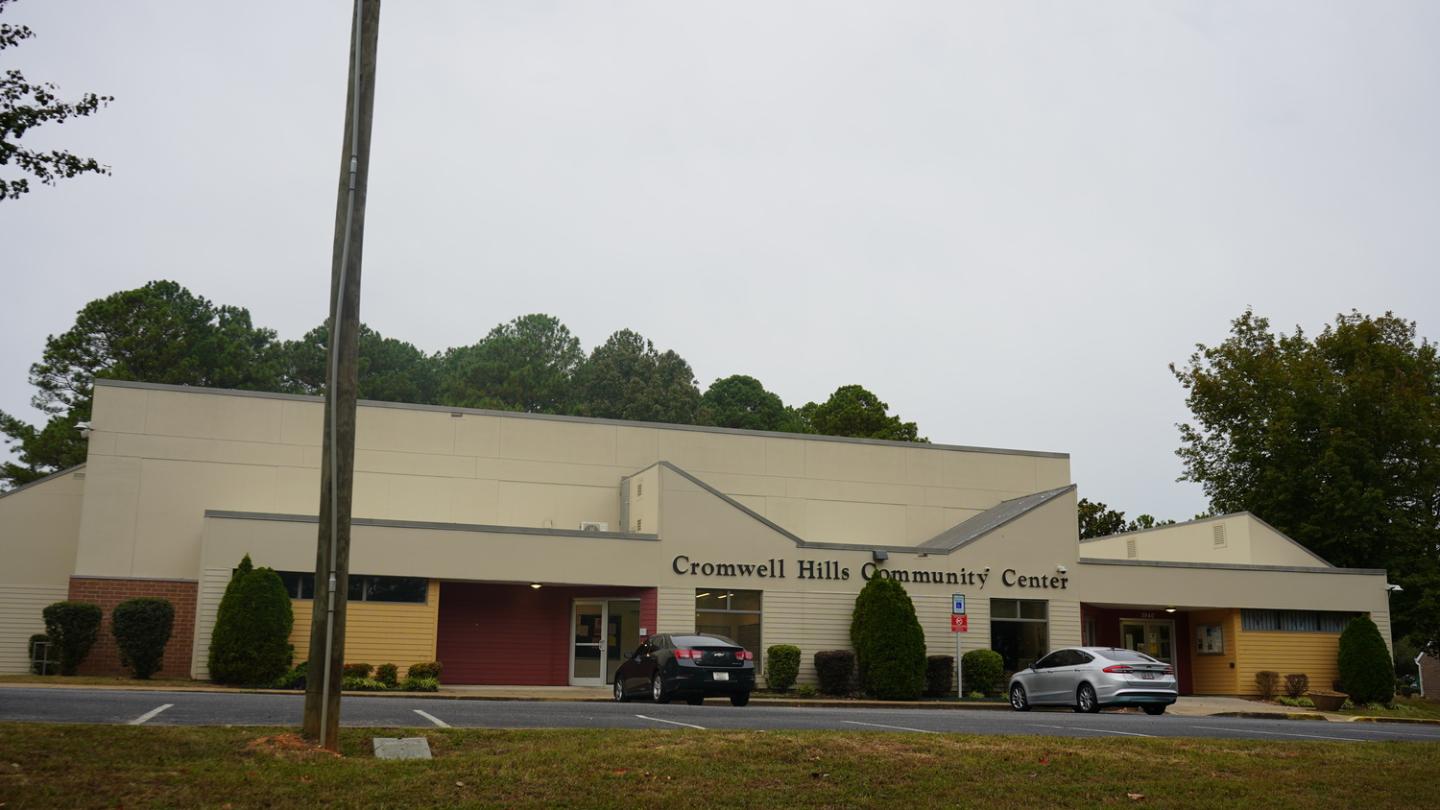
(720, 676)
(1149, 676)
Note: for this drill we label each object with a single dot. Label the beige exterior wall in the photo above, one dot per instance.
(1238, 539)
(39, 529)
(160, 456)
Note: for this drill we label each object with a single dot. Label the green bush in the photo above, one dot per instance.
(806, 690)
(142, 629)
(1296, 684)
(356, 670)
(888, 642)
(939, 675)
(984, 672)
(420, 685)
(250, 645)
(352, 684)
(1269, 683)
(428, 670)
(72, 628)
(782, 665)
(834, 669)
(295, 678)
(388, 674)
(1365, 666)
(1298, 702)
(39, 666)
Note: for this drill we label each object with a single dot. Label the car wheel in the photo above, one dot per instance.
(1018, 700)
(1154, 709)
(739, 698)
(620, 696)
(695, 700)
(657, 690)
(1085, 700)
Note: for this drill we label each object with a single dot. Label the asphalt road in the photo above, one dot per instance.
(19, 704)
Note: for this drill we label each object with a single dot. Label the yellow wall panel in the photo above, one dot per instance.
(1213, 674)
(380, 632)
(1314, 654)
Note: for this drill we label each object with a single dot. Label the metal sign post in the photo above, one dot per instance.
(959, 623)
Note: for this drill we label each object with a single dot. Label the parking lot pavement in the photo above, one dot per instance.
(209, 708)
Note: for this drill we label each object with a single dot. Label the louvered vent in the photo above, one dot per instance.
(1219, 533)
(639, 525)
(1130, 548)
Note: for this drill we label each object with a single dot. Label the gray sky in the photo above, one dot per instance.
(1003, 218)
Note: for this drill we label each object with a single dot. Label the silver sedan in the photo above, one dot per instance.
(1088, 678)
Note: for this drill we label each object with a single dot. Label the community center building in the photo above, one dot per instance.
(539, 550)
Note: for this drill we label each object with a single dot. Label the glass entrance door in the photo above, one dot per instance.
(1154, 638)
(603, 632)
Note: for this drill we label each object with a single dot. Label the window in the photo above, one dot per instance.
(1019, 631)
(733, 614)
(301, 585)
(1294, 621)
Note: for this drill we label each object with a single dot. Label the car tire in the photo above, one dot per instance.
(657, 690)
(1154, 709)
(1085, 700)
(695, 700)
(1019, 701)
(739, 698)
(620, 696)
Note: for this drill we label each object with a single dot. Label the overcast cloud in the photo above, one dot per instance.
(1004, 218)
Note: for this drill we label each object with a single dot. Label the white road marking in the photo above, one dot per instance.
(898, 728)
(432, 718)
(142, 719)
(671, 722)
(1100, 730)
(1280, 733)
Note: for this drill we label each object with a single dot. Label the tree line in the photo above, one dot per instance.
(164, 333)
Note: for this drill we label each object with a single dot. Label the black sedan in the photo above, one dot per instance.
(690, 666)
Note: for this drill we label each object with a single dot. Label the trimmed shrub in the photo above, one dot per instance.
(806, 690)
(420, 685)
(388, 674)
(983, 671)
(295, 678)
(888, 641)
(939, 675)
(250, 645)
(782, 666)
(142, 629)
(1365, 666)
(72, 628)
(834, 668)
(429, 669)
(351, 684)
(356, 671)
(39, 666)
(1269, 683)
(1296, 684)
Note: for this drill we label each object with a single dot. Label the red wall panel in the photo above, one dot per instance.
(515, 634)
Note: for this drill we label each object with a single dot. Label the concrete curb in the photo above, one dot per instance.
(1272, 716)
(1416, 721)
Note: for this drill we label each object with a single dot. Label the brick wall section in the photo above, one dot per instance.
(1430, 676)
(104, 657)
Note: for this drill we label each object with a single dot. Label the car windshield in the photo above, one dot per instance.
(1128, 655)
(702, 641)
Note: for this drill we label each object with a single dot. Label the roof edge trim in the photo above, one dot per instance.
(1300, 569)
(38, 481)
(221, 514)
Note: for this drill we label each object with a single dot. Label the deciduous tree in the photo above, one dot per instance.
(25, 105)
(853, 411)
(627, 378)
(740, 401)
(390, 370)
(1334, 440)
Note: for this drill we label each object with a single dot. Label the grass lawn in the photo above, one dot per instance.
(157, 766)
(1416, 708)
(95, 680)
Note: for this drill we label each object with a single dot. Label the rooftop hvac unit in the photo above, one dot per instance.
(594, 526)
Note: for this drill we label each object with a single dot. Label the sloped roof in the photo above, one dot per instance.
(991, 519)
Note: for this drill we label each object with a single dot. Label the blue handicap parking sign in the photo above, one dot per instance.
(959, 603)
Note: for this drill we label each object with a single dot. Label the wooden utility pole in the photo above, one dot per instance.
(337, 464)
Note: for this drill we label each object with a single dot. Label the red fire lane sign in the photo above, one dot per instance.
(959, 623)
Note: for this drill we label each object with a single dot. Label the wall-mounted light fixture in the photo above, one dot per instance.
(1060, 569)
(535, 585)
(1392, 588)
(1170, 610)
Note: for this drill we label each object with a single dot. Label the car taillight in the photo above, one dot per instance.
(1169, 670)
(687, 655)
(1119, 668)
(744, 655)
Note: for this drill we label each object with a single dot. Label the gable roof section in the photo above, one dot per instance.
(38, 481)
(1242, 514)
(955, 537)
